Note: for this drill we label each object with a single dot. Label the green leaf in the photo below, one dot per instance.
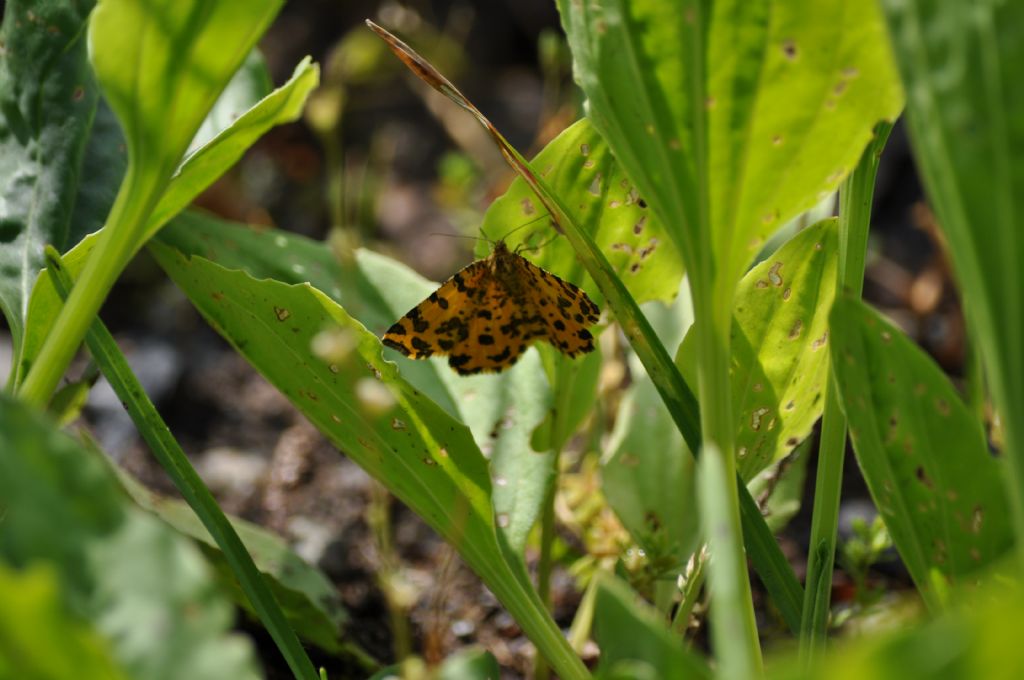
(470, 664)
(629, 630)
(143, 587)
(161, 64)
(198, 172)
(47, 101)
(976, 639)
(779, 347)
(426, 458)
(34, 622)
(359, 401)
(965, 113)
(579, 167)
(574, 389)
(309, 600)
(247, 87)
(754, 134)
(501, 410)
(922, 453)
(105, 155)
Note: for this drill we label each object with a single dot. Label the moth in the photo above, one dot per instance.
(486, 315)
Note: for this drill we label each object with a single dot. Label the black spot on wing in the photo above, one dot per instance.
(502, 356)
(397, 346)
(423, 348)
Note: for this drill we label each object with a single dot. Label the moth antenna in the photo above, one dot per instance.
(475, 238)
(522, 247)
(524, 225)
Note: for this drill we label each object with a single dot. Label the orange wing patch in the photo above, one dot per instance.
(486, 315)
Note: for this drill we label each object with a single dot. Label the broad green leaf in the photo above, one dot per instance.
(34, 622)
(786, 82)
(579, 167)
(961, 64)
(501, 410)
(779, 347)
(311, 603)
(142, 586)
(198, 172)
(161, 65)
(628, 630)
(428, 459)
(47, 100)
(424, 456)
(922, 453)
(247, 87)
(736, 106)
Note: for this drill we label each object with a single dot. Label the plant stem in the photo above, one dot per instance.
(563, 375)
(541, 670)
(733, 627)
(691, 591)
(174, 461)
(389, 579)
(855, 198)
(116, 246)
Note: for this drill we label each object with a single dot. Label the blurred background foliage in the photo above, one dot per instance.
(380, 161)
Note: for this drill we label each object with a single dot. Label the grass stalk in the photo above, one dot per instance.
(855, 198)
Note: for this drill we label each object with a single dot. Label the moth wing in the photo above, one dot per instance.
(501, 329)
(441, 322)
(566, 309)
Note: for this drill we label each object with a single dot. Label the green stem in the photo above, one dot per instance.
(691, 591)
(541, 670)
(378, 517)
(511, 586)
(174, 461)
(855, 198)
(733, 627)
(112, 253)
(563, 375)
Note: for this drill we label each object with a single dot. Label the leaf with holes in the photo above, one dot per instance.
(735, 141)
(580, 168)
(358, 399)
(922, 453)
(779, 347)
(501, 411)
